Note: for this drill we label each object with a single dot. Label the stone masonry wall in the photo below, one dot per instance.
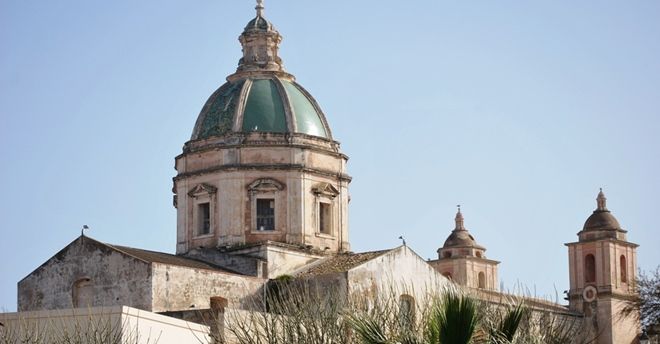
(94, 274)
(179, 288)
(401, 271)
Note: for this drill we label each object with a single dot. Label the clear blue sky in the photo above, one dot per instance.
(518, 110)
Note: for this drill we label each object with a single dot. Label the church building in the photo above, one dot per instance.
(262, 191)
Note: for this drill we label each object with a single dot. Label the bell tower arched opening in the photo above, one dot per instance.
(589, 268)
(623, 269)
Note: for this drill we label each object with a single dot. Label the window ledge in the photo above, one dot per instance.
(325, 236)
(265, 232)
(203, 236)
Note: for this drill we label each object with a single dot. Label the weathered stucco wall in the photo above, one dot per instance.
(179, 288)
(128, 325)
(233, 215)
(400, 271)
(296, 163)
(611, 326)
(86, 274)
(243, 264)
(267, 260)
(280, 260)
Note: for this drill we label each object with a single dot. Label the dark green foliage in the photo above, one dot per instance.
(508, 326)
(454, 320)
(304, 313)
(368, 330)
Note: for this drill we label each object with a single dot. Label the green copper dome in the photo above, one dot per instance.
(260, 104)
(264, 109)
(261, 96)
(259, 23)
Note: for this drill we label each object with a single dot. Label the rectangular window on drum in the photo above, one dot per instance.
(204, 218)
(265, 214)
(325, 218)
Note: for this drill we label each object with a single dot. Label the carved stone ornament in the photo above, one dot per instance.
(265, 185)
(325, 189)
(589, 293)
(202, 189)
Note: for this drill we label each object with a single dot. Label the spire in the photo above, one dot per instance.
(260, 8)
(459, 220)
(601, 200)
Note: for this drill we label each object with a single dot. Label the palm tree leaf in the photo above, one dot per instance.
(368, 330)
(509, 326)
(454, 321)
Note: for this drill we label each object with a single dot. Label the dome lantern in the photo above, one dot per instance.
(601, 201)
(260, 8)
(459, 219)
(460, 237)
(261, 43)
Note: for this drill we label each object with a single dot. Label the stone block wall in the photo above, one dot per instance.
(86, 274)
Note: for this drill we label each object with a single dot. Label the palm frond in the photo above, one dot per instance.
(454, 320)
(509, 326)
(368, 329)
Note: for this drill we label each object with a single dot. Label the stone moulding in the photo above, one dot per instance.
(284, 167)
(265, 185)
(325, 189)
(202, 189)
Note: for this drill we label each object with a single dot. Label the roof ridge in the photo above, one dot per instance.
(343, 262)
(120, 249)
(141, 249)
(111, 246)
(207, 265)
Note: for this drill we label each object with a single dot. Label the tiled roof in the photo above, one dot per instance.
(341, 262)
(166, 258)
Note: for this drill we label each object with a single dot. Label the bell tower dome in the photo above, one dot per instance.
(464, 261)
(261, 165)
(603, 265)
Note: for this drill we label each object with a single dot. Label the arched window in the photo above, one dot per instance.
(446, 254)
(482, 280)
(407, 310)
(623, 269)
(82, 293)
(589, 268)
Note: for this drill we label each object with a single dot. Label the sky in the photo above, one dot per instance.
(517, 110)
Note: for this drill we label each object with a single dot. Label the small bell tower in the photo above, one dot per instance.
(462, 260)
(602, 266)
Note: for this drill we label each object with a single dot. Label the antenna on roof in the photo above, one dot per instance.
(402, 239)
(82, 231)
